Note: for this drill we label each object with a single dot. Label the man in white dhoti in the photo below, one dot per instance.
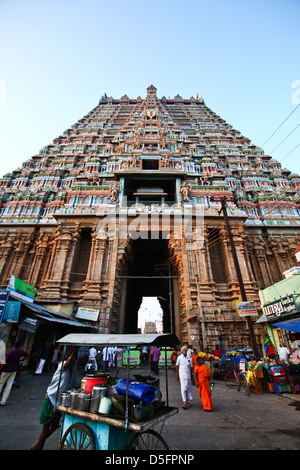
(92, 358)
(184, 370)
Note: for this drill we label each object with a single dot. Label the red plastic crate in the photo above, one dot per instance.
(279, 380)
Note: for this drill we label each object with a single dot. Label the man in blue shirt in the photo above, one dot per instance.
(65, 379)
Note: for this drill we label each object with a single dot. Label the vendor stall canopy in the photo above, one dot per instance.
(290, 325)
(82, 339)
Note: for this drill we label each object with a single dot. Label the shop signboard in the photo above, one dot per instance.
(29, 324)
(245, 309)
(21, 289)
(85, 313)
(12, 311)
(162, 358)
(280, 308)
(134, 357)
(4, 294)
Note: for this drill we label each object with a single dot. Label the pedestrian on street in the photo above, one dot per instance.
(217, 351)
(43, 357)
(202, 380)
(64, 378)
(184, 369)
(118, 359)
(174, 359)
(105, 358)
(10, 370)
(155, 358)
(295, 348)
(2, 346)
(189, 351)
(144, 351)
(284, 354)
(194, 363)
(92, 359)
(2, 354)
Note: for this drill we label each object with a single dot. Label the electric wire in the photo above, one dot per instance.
(285, 139)
(290, 152)
(280, 125)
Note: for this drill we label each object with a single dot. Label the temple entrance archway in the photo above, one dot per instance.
(147, 274)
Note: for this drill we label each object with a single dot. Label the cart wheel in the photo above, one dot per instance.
(230, 380)
(245, 385)
(78, 437)
(148, 440)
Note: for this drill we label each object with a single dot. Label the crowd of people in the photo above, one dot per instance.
(192, 368)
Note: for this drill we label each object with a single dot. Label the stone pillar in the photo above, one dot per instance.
(58, 275)
(92, 285)
(39, 253)
(6, 248)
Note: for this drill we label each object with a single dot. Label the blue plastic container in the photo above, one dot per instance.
(137, 390)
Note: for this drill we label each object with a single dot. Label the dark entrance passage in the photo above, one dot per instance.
(147, 277)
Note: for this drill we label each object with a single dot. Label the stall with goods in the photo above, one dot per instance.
(255, 376)
(108, 413)
(233, 357)
(282, 378)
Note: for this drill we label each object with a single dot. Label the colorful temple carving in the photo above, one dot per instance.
(126, 204)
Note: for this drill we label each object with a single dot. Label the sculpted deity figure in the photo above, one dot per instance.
(134, 161)
(185, 192)
(114, 193)
(165, 163)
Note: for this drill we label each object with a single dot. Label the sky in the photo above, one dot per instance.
(57, 58)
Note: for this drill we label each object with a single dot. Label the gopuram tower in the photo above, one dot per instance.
(127, 204)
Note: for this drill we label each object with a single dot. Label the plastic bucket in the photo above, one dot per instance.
(93, 380)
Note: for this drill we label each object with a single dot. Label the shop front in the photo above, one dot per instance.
(37, 328)
(281, 315)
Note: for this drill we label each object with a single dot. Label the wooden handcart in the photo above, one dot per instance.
(93, 431)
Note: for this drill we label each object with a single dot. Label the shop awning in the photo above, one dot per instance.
(82, 339)
(290, 325)
(262, 319)
(49, 315)
(64, 321)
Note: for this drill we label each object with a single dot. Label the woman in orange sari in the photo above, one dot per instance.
(202, 380)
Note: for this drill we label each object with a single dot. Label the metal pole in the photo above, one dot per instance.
(201, 316)
(200, 303)
(167, 390)
(239, 276)
(127, 387)
(170, 301)
(61, 371)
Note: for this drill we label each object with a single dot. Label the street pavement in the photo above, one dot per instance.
(260, 422)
